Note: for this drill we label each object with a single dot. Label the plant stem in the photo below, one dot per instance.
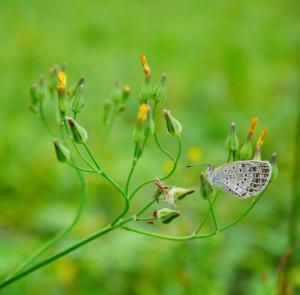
(81, 169)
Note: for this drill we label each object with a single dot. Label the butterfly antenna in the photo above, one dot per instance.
(197, 165)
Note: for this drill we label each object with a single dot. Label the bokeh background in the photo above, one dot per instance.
(226, 61)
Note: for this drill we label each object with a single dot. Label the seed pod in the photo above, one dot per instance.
(78, 102)
(179, 193)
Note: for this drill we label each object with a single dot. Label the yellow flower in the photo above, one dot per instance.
(194, 154)
(261, 138)
(62, 81)
(143, 112)
(145, 65)
(252, 127)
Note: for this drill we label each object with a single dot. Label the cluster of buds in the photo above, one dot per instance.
(56, 88)
(246, 151)
(116, 104)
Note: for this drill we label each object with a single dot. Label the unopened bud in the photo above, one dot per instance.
(117, 95)
(78, 102)
(206, 189)
(160, 90)
(53, 79)
(79, 134)
(107, 112)
(146, 92)
(178, 193)
(142, 118)
(246, 150)
(125, 96)
(33, 98)
(273, 162)
(232, 141)
(62, 153)
(173, 125)
(166, 215)
(61, 91)
(41, 90)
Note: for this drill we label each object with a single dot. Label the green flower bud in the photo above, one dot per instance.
(178, 193)
(41, 90)
(166, 215)
(257, 153)
(34, 98)
(125, 96)
(232, 141)
(61, 91)
(79, 134)
(107, 112)
(142, 121)
(117, 96)
(138, 151)
(160, 90)
(53, 79)
(150, 126)
(78, 102)
(146, 91)
(173, 125)
(246, 150)
(273, 162)
(206, 189)
(62, 153)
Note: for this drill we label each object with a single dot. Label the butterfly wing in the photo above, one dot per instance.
(243, 178)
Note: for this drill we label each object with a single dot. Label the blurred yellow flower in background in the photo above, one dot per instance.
(194, 154)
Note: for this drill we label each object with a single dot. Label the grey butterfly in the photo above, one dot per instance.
(241, 178)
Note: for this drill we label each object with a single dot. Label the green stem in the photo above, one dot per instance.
(81, 169)
(129, 178)
(213, 214)
(82, 156)
(166, 237)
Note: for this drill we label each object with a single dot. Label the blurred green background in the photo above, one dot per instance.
(226, 61)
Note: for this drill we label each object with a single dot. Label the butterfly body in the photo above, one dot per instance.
(241, 178)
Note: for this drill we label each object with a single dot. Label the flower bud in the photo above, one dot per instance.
(61, 91)
(78, 102)
(246, 150)
(166, 215)
(273, 162)
(206, 189)
(145, 65)
(160, 90)
(79, 134)
(107, 112)
(178, 193)
(232, 141)
(125, 96)
(62, 153)
(33, 98)
(142, 117)
(173, 125)
(117, 95)
(41, 90)
(146, 92)
(259, 143)
(53, 79)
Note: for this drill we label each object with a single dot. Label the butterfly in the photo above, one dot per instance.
(243, 179)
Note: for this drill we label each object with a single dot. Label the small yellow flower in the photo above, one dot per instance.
(62, 81)
(252, 127)
(143, 112)
(261, 138)
(194, 154)
(145, 65)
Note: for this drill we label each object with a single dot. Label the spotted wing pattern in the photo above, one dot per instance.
(243, 178)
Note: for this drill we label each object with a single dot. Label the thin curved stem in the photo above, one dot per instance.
(129, 179)
(167, 237)
(213, 214)
(81, 169)
(44, 121)
(162, 178)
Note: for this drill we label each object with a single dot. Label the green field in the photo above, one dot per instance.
(226, 61)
